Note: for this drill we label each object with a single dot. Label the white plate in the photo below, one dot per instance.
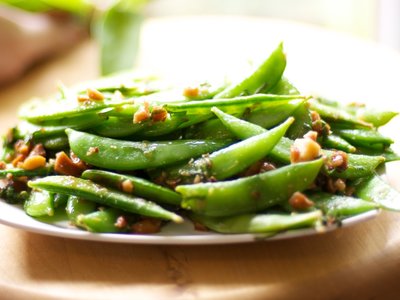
(318, 60)
(183, 234)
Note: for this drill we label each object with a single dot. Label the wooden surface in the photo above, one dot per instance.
(359, 262)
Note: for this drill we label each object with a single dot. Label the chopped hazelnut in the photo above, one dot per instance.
(64, 165)
(304, 150)
(142, 114)
(127, 186)
(299, 201)
(3, 165)
(94, 94)
(34, 162)
(83, 98)
(191, 92)
(158, 114)
(92, 150)
(147, 225)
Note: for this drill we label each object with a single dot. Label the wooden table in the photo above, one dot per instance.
(358, 262)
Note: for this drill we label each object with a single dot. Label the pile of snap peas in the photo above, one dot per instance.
(129, 154)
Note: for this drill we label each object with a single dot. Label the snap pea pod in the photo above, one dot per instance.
(358, 165)
(363, 137)
(125, 155)
(231, 105)
(340, 206)
(101, 221)
(243, 130)
(138, 186)
(60, 200)
(388, 153)
(336, 114)
(378, 191)
(77, 206)
(274, 114)
(374, 116)
(260, 223)
(18, 172)
(39, 203)
(121, 127)
(284, 87)
(240, 155)
(88, 190)
(39, 111)
(263, 78)
(25, 128)
(332, 141)
(54, 143)
(249, 194)
(302, 123)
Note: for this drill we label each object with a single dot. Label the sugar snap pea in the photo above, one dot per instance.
(77, 206)
(88, 190)
(260, 223)
(40, 203)
(134, 185)
(124, 155)
(263, 78)
(240, 155)
(101, 221)
(374, 189)
(249, 194)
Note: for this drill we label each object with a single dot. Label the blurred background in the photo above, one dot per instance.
(32, 30)
(377, 20)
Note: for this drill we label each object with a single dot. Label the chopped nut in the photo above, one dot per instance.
(21, 147)
(340, 185)
(83, 98)
(77, 161)
(299, 201)
(38, 149)
(338, 160)
(142, 114)
(92, 150)
(197, 179)
(127, 186)
(304, 150)
(158, 114)
(315, 116)
(33, 162)
(19, 158)
(147, 225)
(94, 94)
(64, 165)
(191, 92)
(3, 165)
(199, 227)
(121, 222)
(311, 135)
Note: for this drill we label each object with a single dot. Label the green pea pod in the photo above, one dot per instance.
(18, 172)
(101, 221)
(332, 141)
(125, 155)
(378, 191)
(25, 128)
(88, 190)
(140, 186)
(54, 143)
(236, 105)
(39, 204)
(336, 114)
(243, 130)
(339, 206)
(388, 153)
(60, 200)
(375, 117)
(240, 156)
(260, 223)
(38, 111)
(364, 138)
(358, 165)
(274, 114)
(302, 123)
(284, 87)
(78, 206)
(249, 194)
(263, 78)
